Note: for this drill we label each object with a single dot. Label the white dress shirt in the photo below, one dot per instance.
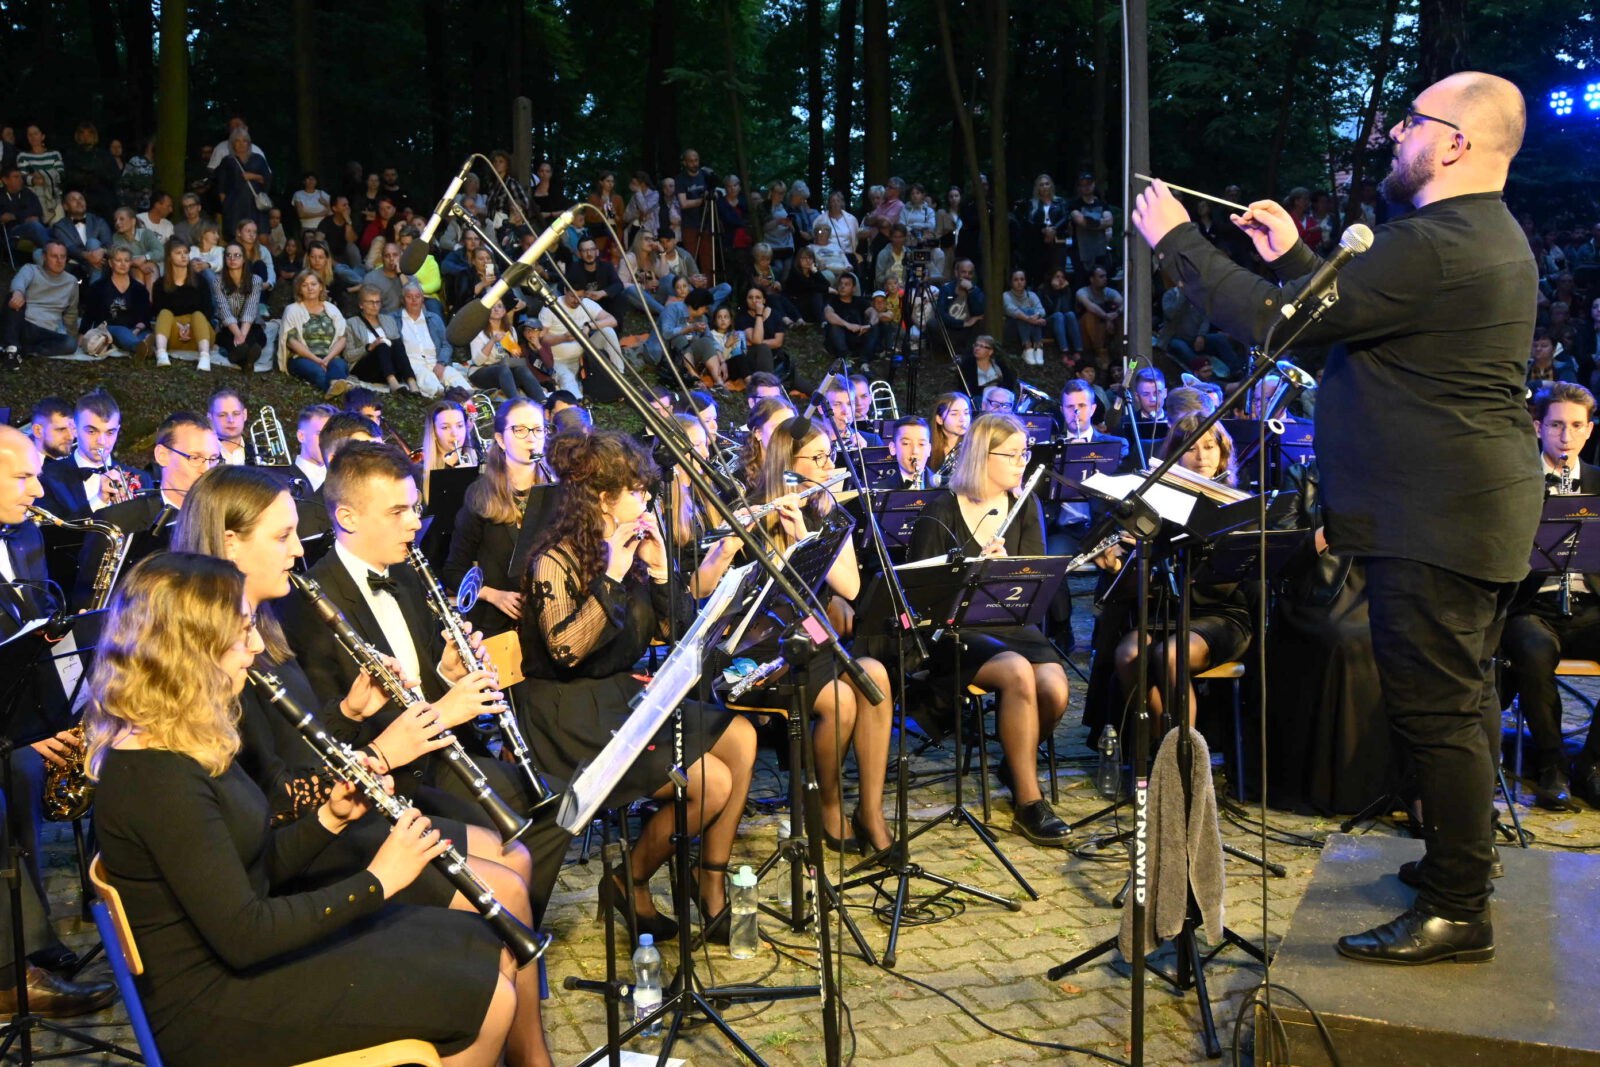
(386, 609)
(314, 472)
(93, 484)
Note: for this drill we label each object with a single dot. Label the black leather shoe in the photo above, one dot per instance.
(1586, 784)
(58, 959)
(57, 998)
(1411, 871)
(894, 856)
(1414, 937)
(1041, 825)
(1552, 791)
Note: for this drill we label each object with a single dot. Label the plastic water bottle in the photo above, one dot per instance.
(744, 938)
(647, 983)
(1108, 778)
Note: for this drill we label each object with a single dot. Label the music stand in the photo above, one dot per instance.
(811, 559)
(447, 494)
(26, 717)
(897, 511)
(968, 594)
(1038, 426)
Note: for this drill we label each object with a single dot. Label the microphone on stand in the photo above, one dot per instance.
(1319, 293)
(469, 321)
(417, 250)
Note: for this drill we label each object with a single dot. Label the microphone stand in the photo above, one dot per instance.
(815, 628)
(1135, 516)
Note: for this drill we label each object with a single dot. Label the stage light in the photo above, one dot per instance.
(1561, 102)
(1591, 96)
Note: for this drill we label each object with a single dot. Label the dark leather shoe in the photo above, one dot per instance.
(1414, 937)
(58, 959)
(1411, 871)
(1552, 791)
(1586, 784)
(57, 998)
(1041, 825)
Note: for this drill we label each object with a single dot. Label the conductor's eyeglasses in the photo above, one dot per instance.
(1414, 118)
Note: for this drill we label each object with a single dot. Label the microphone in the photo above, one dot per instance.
(417, 250)
(469, 321)
(1033, 391)
(1319, 292)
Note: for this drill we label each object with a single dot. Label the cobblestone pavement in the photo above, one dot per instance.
(988, 961)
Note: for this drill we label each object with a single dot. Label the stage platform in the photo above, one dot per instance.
(1534, 1004)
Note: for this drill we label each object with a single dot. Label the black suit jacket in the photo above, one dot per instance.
(329, 668)
(29, 598)
(65, 493)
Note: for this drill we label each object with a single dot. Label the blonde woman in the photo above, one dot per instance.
(311, 343)
(1016, 662)
(235, 969)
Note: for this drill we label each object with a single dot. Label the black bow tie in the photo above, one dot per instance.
(1552, 480)
(89, 472)
(381, 583)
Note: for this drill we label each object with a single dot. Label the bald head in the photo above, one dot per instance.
(1491, 110)
(19, 475)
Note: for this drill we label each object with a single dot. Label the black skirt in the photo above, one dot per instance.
(568, 723)
(981, 644)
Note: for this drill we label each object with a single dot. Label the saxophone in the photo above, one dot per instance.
(68, 793)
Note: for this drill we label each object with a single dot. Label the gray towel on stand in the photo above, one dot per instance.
(1182, 856)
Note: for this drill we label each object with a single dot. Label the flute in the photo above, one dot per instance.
(507, 822)
(761, 511)
(526, 945)
(1016, 509)
(456, 633)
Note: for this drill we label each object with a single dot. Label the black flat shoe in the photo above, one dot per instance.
(892, 856)
(1410, 872)
(1039, 823)
(661, 927)
(1413, 938)
(1586, 783)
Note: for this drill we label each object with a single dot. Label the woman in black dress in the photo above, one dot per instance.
(952, 415)
(842, 714)
(1221, 616)
(1015, 662)
(597, 589)
(690, 517)
(233, 972)
(490, 520)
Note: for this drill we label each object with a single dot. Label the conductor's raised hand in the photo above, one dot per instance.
(1269, 227)
(1157, 213)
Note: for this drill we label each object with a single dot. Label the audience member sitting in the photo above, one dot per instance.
(1099, 317)
(848, 334)
(42, 296)
(960, 305)
(312, 340)
(87, 237)
(120, 303)
(21, 215)
(183, 307)
(143, 246)
(236, 302)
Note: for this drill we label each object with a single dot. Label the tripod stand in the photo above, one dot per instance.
(24, 719)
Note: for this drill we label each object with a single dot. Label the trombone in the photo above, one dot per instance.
(268, 439)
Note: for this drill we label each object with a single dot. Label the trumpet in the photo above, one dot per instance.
(68, 792)
(268, 439)
(761, 511)
(526, 945)
(456, 633)
(510, 825)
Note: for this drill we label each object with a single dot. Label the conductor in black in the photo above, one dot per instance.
(1430, 470)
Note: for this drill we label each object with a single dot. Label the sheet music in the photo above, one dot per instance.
(69, 668)
(1171, 504)
(650, 709)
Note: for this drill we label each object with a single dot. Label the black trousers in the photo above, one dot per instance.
(1434, 635)
(1535, 642)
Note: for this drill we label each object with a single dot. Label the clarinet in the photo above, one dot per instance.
(456, 634)
(526, 945)
(510, 825)
(1565, 489)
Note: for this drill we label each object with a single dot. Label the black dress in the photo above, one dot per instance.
(296, 782)
(935, 533)
(490, 545)
(238, 975)
(579, 648)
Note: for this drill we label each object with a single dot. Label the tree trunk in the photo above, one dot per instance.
(816, 146)
(997, 264)
(1100, 52)
(103, 41)
(875, 85)
(1369, 114)
(173, 97)
(735, 101)
(661, 148)
(435, 25)
(1441, 39)
(969, 138)
(138, 39)
(1300, 41)
(305, 87)
(844, 82)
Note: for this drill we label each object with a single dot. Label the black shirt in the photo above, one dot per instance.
(1423, 436)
